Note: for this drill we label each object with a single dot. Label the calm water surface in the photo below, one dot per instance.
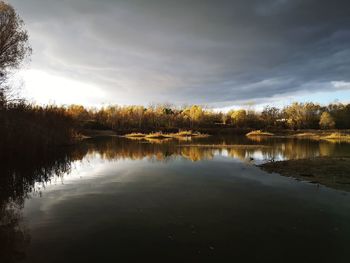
(116, 199)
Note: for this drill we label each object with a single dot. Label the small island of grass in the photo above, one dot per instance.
(327, 135)
(259, 133)
(160, 135)
(135, 135)
(157, 135)
(337, 136)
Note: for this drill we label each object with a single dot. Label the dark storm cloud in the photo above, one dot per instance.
(212, 52)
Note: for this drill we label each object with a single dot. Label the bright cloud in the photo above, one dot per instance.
(42, 87)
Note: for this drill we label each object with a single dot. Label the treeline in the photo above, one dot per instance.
(27, 126)
(163, 117)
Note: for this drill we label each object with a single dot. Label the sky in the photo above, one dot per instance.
(220, 54)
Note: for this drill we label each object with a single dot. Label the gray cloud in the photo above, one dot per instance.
(208, 52)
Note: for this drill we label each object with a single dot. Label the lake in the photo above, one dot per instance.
(195, 200)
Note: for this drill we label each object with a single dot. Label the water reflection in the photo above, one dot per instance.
(19, 176)
(206, 148)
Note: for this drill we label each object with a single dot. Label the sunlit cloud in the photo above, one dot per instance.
(42, 87)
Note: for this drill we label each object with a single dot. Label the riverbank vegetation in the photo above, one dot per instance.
(33, 128)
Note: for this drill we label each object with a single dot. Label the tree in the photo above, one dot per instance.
(14, 47)
(224, 118)
(302, 115)
(340, 113)
(326, 121)
(239, 117)
(270, 116)
(194, 113)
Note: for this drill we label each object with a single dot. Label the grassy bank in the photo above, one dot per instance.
(330, 135)
(329, 171)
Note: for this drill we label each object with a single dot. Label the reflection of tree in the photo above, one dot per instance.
(295, 148)
(162, 150)
(18, 177)
(113, 149)
(13, 237)
(196, 153)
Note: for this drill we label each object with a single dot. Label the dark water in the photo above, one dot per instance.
(115, 199)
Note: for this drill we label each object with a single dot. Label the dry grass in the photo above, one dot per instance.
(259, 133)
(323, 135)
(317, 135)
(184, 133)
(226, 146)
(188, 134)
(135, 135)
(157, 135)
(306, 135)
(160, 135)
(337, 136)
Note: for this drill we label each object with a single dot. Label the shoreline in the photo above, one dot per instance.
(327, 135)
(333, 172)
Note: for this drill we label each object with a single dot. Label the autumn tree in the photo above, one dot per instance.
(194, 113)
(326, 121)
(270, 116)
(340, 113)
(239, 117)
(302, 115)
(224, 118)
(77, 112)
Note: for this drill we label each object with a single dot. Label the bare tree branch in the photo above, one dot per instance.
(14, 47)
